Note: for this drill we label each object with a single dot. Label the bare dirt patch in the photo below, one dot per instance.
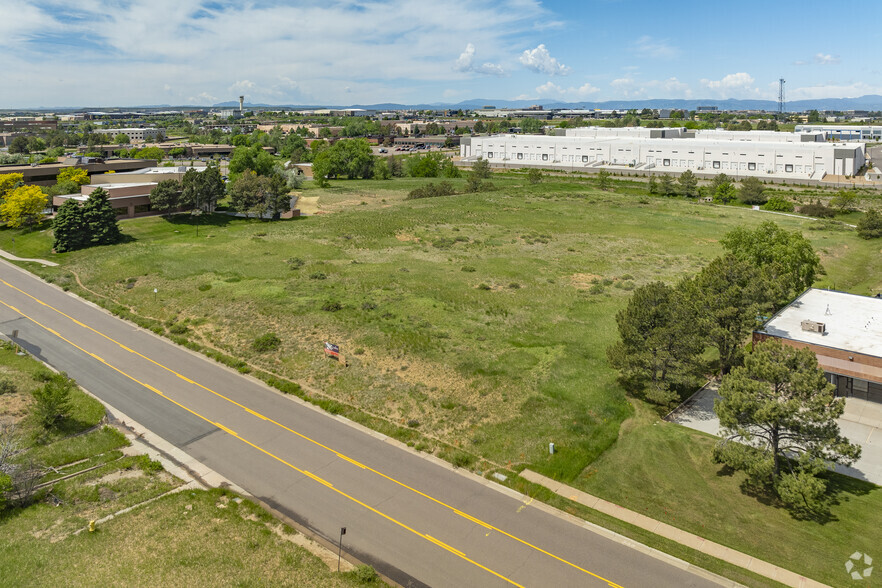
(407, 238)
(327, 557)
(584, 281)
(116, 476)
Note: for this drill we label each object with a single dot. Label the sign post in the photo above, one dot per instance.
(340, 547)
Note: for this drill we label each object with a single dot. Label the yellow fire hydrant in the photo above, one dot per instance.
(92, 526)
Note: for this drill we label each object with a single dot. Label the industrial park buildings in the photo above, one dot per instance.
(673, 150)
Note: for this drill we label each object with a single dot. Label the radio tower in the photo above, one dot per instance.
(781, 96)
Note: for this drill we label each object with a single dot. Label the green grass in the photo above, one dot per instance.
(195, 538)
(484, 367)
(665, 471)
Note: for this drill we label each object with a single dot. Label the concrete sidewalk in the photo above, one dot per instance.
(716, 550)
(12, 257)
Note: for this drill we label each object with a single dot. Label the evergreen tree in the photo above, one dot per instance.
(666, 186)
(659, 354)
(166, 196)
(688, 184)
(70, 228)
(100, 219)
(778, 414)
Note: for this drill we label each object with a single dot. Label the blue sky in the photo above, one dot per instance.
(138, 52)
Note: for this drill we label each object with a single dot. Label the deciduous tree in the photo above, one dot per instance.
(778, 414)
(23, 206)
(786, 258)
(8, 182)
(76, 175)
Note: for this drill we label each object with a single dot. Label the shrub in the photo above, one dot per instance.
(469, 268)
(432, 190)
(483, 286)
(204, 287)
(870, 226)
(318, 276)
(178, 329)
(778, 204)
(52, 400)
(818, 210)
(365, 574)
(7, 387)
(296, 263)
(332, 306)
(266, 342)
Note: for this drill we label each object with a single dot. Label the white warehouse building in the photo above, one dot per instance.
(845, 132)
(672, 150)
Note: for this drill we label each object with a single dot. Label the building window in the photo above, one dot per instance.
(520, 155)
(544, 157)
(584, 159)
(489, 155)
(141, 208)
(751, 166)
(666, 162)
(788, 167)
(716, 165)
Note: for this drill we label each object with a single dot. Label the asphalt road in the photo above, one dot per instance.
(418, 522)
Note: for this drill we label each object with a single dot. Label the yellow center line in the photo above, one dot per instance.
(306, 473)
(313, 441)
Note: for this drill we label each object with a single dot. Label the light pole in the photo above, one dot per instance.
(340, 547)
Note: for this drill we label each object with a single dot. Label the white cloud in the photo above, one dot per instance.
(737, 85)
(541, 61)
(647, 46)
(550, 89)
(826, 59)
(384, 50)
(203, 98)
(466, 63)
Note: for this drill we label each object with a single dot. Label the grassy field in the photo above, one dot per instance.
(665, 471)
(480, 321)
(192, 538)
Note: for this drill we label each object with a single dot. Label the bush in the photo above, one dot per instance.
(7, 387)
(432, 190)
(469, 268)
(778, 204)
(52, 400)
(365, 574)
(870, 226)
(818, 210)
(267, 342)
(332, 306)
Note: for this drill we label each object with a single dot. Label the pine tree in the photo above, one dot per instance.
(778, 414)
(100, 219)
(70, 228)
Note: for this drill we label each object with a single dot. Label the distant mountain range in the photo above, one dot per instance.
(870, 102)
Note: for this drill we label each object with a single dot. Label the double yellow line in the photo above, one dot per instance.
(308, 474)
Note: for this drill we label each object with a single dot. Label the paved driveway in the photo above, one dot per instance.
(861, 424)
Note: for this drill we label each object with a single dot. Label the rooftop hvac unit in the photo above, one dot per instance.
(813, 327)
